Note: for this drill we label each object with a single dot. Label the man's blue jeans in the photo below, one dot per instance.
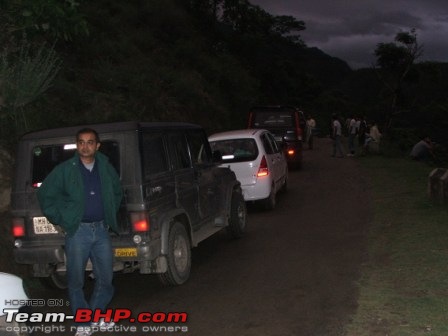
(91, 240)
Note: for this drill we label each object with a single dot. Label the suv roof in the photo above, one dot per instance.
(273, 108)
(106, 127)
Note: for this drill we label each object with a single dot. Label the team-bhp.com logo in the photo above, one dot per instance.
(88, 316)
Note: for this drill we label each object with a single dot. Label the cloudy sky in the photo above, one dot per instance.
(351, 29)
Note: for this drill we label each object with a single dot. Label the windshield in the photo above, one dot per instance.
(273, 119)
(45, 158)
(236, 150)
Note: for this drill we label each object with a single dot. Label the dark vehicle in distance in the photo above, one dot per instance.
(175, 196)
(287, 124)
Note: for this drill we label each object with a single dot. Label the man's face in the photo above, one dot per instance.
(86, 146)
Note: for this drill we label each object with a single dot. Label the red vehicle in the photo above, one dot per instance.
(287, 124)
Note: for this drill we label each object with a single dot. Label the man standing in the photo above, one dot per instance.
(362, 131)
(336, 135)
(352, 132)
(82, 195)
(310, 126)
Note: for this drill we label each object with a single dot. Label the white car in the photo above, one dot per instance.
(12, 296)
(257, 160)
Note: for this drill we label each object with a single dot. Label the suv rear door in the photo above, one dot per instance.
(204, 169)
(158, 186)
(184, 178)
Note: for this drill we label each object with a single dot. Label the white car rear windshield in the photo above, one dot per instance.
(236, 150)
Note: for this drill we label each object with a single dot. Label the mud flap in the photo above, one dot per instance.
(161, 264)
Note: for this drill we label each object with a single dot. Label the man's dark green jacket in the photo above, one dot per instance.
(61, 195)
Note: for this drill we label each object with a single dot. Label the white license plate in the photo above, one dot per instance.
(43, 226)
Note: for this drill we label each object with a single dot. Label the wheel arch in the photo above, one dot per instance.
(179, 216)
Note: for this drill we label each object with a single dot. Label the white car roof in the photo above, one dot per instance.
(236, 134)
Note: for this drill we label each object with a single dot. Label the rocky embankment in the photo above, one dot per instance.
(6, 164)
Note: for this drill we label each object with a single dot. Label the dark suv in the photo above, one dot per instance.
(287, 124)
(175, 196)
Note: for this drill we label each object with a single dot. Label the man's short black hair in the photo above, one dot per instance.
(88, 130)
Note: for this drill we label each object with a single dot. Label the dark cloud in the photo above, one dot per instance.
(351, 29)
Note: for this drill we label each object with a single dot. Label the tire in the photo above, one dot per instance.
(178, 258)
(56, 280)
(238, 216)
(270, 202)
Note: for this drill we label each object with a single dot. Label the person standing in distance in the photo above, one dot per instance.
(82, 195)
(352, 133)
(336, 135)
(311, 125)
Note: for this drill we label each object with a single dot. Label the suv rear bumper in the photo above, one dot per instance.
(147, 253)
(39, 255)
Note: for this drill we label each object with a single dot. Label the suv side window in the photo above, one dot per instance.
(267, 144)
(178, 151)
(199, 149)
(274, 145)
(154, 156)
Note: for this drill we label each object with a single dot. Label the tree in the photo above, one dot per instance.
(55, 19)
(27, 65)
(394, 63)
(247, 19)
(23, 78)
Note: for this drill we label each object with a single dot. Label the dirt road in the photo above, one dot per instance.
(295, 272)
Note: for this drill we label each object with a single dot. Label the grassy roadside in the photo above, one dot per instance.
(404, 285)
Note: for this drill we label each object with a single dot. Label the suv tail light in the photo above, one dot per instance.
(263, 170)
(140, 221)
(18, 227)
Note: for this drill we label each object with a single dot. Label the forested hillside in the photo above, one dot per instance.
(173, 60)
(202, 61)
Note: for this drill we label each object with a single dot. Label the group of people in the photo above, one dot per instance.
(369, 137)
(358, 129)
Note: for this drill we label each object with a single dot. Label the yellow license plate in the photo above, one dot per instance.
(126, 252)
